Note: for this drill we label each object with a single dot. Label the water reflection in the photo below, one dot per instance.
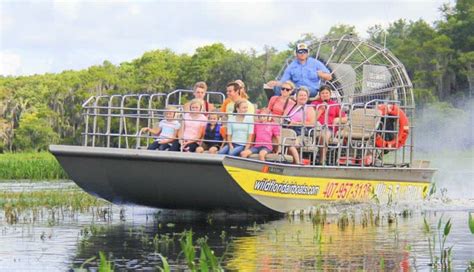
(252, 243)
(133, 237)
(134, 244)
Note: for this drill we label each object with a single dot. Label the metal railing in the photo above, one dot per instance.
(115, 122)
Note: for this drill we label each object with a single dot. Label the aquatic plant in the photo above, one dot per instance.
(407, 213)
(57, 203)
(187, 248)
(442, 233)
(343, 221)
(207, 259)
(31, 166)
(162, 241)
(318, 237)
(104, 264)
(319, 216)
(166, 266)
(391, 218)
(432, 190)
(471, 223)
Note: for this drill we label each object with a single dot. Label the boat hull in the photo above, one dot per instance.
(176, 180)
(288, 187)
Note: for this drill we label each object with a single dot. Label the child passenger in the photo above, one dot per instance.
(192, 131)
(265, 130)
(239, 130)
(212, 136)
(166, 131)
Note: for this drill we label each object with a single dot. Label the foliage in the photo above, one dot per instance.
(424, 96)
(34, 133)
(338, 31)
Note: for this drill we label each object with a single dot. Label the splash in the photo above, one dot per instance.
(444, 135)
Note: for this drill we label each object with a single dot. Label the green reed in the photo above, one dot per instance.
(441, 233)
(104, 264)
(471, 223)
(207, 259)
(31, 166)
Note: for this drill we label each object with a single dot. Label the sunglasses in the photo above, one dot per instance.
(302, 52)
(286, 89)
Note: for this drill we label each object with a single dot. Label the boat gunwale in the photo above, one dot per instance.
(201, 158)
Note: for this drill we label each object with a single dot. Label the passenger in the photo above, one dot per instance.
(279, 103)
(192, 131)
(213, 141)
(265, 129)
(328, 113)
(200, 90)
(296, 121)
(243, 89)
(239, 130)
(166, 131)
(303, 71)
(233, 94)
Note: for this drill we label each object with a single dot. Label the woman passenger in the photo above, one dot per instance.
(328, 113)
(300, 116)
(278, 104)
(192, 131)
(239, 130)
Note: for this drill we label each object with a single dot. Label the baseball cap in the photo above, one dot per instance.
(301, 48)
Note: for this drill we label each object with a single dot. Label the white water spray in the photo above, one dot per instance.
(444, 136)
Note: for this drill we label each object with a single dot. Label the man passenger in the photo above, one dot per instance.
(199, 92)
(233, 94)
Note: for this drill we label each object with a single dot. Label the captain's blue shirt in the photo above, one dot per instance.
(305, 74)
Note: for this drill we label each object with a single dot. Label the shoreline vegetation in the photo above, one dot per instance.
(31, 166)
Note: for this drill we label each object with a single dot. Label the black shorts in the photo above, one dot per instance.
(208, 145)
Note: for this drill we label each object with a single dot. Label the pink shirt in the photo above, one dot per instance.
(296, 114)
(277, 106)
(264, 133)
(192, 126)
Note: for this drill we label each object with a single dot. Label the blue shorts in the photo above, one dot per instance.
(256, 150)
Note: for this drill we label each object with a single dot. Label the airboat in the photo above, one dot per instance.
(371, 155)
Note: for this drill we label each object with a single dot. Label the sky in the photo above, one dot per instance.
(38, 37)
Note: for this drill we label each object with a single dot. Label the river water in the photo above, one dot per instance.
(132, 237)
(362, 237)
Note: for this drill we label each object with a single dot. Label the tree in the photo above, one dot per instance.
(203, 62)
(340, 30)
(34, 133)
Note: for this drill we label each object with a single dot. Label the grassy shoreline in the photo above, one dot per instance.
(31, 166)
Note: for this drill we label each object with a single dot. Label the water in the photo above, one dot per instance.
(133, 236)
(249, 242)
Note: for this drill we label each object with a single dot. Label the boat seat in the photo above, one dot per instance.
(363, 123)
(288, 137)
